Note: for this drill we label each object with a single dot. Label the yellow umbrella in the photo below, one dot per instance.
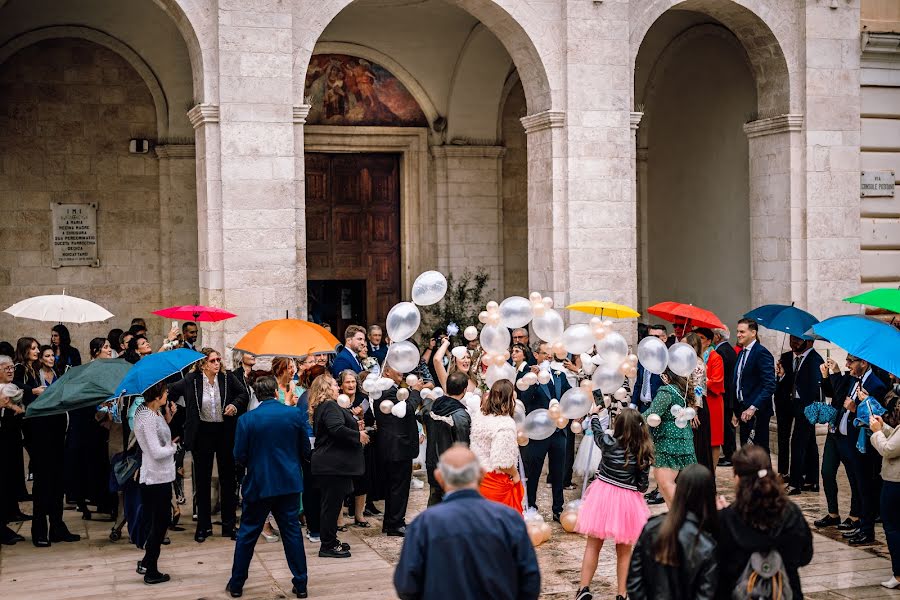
(605, 309)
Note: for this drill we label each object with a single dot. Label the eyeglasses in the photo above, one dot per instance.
(850, 361)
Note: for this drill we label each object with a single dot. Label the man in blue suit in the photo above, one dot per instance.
(270, 442)
(348, 358)
(754, 384)
(466, 547)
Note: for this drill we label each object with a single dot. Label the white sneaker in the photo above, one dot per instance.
(313, 538)
(417, 484)
(891, 583)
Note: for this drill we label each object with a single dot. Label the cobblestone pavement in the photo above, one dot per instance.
(96, 567)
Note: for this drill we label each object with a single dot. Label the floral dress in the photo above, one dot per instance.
(674, 445)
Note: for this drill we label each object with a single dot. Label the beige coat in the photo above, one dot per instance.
(887, 442)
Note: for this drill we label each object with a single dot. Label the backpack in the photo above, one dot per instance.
(763, 578)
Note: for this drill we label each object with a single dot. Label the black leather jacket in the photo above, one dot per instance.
(613, 468)
(694, 579)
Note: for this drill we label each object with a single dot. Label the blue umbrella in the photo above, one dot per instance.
(784, 318)
(154, 368)
(872, 340)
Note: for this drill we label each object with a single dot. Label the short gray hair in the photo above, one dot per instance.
(5, 359)
(460, 477)
(726, 335)
(265, 387)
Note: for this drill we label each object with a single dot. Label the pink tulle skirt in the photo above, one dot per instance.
(610, 512)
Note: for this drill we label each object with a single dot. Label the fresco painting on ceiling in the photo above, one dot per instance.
(346, 90)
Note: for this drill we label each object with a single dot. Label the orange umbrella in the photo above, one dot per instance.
(287, 337)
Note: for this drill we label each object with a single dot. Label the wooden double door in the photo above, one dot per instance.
(353, 237)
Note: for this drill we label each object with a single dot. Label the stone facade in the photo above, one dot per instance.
(563, 152)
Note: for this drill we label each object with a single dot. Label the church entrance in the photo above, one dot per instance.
(353, 237)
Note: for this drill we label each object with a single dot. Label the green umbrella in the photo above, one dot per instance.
(886, 298)
(79, 387)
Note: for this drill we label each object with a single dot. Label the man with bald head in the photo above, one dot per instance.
(467, 547)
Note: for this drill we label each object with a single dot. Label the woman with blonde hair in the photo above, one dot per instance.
(460, 362)
(493, 440)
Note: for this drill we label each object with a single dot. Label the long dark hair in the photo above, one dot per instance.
(23, 349)
(759, 499)
(695, 493)
(96, 346)
(681, 383)
(65, 338)
(131, 353)
(633, 436)
(115, 339)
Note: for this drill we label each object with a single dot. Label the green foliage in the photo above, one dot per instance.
(465, 298)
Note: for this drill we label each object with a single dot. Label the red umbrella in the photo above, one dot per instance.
(195, 313)
(678, 312)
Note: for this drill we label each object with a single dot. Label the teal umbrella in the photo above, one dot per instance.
(87, 385)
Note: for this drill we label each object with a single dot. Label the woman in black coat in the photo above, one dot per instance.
(675, 557)
(66, 355)
(762, 518)
(336, 459)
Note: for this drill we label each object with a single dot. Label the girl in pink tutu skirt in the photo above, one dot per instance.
(613, 506)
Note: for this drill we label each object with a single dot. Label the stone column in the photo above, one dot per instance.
(832, 154)
(178, 224)
(299, 117)
(640, 198)
(777, 211)
(469, 210)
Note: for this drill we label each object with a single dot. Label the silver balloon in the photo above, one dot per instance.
(519, 414)
(402, 356)
(574, 404)
(402, 394)
(612, 348)
(495, 374)
(682, 359)
(402, 321)
(515, 311)
(549, 326)
(607, 378)
(429, 288)
(538, 425)
(343, 401)
(653, 354)
(689, 413)
(495, 338)
(578, 338)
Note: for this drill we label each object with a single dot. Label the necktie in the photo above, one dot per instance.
(797, 361)
(740, 372)
(645, 386)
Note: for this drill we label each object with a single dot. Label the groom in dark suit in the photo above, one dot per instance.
(273, 482)
(754, 384)
(348, 358)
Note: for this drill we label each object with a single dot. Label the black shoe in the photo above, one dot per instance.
(154, 578)
(848, 524)
(344, 545)
(64, 536)
(656, 498)
(20, 517)
(140, 570)
(724, 462)
(40, 542)
(862, 538)
(201, 535)
(810, 487)
(234, 591)
(647, 496)
(794, 491)
(298, 593)
(371, 511)
(165, 541)
(827, 521)
(584, 594)
(336, 551)
(399, 532)
(556, 517)
(850, 534)
(229, 532)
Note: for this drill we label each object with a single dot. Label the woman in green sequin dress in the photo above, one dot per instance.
(674, 445)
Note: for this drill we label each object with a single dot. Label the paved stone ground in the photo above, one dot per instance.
(96, 567)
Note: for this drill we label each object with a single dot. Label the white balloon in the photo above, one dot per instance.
(343, 401)
(682, 359)
(402, 356)
(578, 338)
(375, 395)
(386, 406)
(402, 394)
(543, 377)
(399, 410)
(522, 385)
(588, 367)
(681, 422)
(612, 348)
(676, 410)
(620, 394)
(437, 393)
(495, 338)
(689, 413)
(549, 326)
(519, 413)
(384, 384)
(574, 404)
(653, 354)
(368, 385)
(607, 378)
(429, 288)
(411, 380)
(515, 311)
(495, 374)
(459, 351)
(425, 394)
(538, 425)
(530, 378)
(402, 321)
(653, 420)
(471, 333)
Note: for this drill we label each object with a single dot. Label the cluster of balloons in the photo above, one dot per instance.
(404, 318)
(539, 531)
(529, 379)
(656, 357)
(374, 386)
(569, 516)
(683, 416)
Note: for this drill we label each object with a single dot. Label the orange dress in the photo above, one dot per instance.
(499, 487)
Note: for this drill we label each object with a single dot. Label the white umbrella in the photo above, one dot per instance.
(59, 308)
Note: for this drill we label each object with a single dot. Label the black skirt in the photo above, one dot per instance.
(703, 438)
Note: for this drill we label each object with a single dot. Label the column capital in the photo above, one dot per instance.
(548, 119)
(635, 119)
(175, 151)
(773, 125)
(300, 113)
(202, 114)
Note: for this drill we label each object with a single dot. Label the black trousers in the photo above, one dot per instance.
(804, 465)
(533, 456)
(729, 446)
(784, 418)
(312, 499)
(435, 495)
(840, 450)
(890, 500)
(570, 457)
(397, 477)
(758, 424)
(156, 508)
(334, 488)
(213, 441)
(868, 471)
(47, 436)
(11, 471)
